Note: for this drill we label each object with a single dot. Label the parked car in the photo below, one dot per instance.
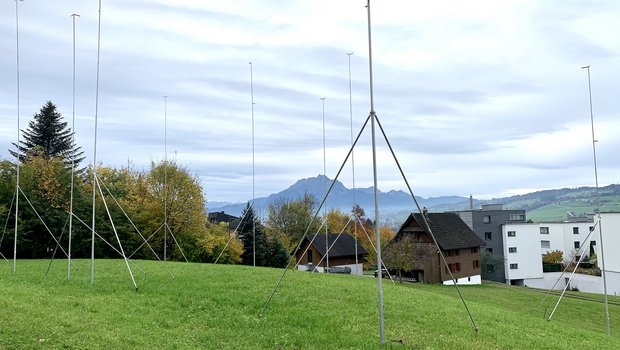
(383, 273)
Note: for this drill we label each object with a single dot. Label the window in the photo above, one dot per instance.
(512, 233)
(486, 219)
(309, 256)
(545, 244)
(576, 244)
(474, 250)
(591, 228)
(476, 264)
(516, 217)
(575, 230)
(454, 267)
(488, 236)
(452, 252)
(489, 250)
(490, 268)
(514, 266)
(544, 230)
(512, 249)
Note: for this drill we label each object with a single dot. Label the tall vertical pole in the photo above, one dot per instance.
(165, 175)
(598, 204)
(73, 16)
(374, 173)
(324, 208)
(92, 246)
(253, 188)
(18, 152)
(352, 159)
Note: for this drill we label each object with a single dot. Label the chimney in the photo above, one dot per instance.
(471, 202)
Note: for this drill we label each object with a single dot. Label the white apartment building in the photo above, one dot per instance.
(610, 225)
(525, 244)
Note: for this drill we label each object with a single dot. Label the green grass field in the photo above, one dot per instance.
(217, 307)
(557, 211)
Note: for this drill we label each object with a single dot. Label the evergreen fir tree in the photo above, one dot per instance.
(246, 234)
(276, 255)
(48, 136)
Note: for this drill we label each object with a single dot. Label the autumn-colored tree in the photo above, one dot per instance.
(338, 222)
(214, 242)
(44, 205)
(553, 257)
(289, 219)
(168, 192)
(46, 180)
(365, 231)
(407, 254)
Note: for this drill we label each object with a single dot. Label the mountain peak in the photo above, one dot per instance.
(316, 186)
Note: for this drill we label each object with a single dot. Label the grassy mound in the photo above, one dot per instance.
(218, 306)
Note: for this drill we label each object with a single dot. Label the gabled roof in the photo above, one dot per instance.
(344, 246)
(450, 231)
(220, 216)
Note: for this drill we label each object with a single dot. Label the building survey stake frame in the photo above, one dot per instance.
(598, 204)
(372, 117)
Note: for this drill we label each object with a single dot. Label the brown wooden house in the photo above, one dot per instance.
(458, 243)
(341, 253)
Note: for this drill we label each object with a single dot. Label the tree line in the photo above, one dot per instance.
(137, 202)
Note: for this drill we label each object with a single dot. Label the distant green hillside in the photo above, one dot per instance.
(551, 205)
(217, 307)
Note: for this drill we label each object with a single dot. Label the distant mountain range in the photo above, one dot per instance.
(340, 197)
(396, 205)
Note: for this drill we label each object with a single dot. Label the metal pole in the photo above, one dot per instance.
(324, 208)
(374, 171)
(72, 158)
(18, 153)
(598, 208)
(92, 247)
(253, 188)
(165, 174)
(352, 160)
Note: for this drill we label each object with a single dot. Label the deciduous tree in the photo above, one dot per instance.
(337, 222)
(490, 263)
(553, 257)
(365, 231)
(214, 242)
(289, 219)
(407, 254)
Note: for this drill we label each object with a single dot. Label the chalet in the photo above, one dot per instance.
(458, 243)
(310, 255)
(220, 216)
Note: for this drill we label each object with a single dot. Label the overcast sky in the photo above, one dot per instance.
(477, 97)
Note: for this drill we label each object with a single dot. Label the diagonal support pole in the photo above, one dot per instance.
(105, 204)
(316, 213)
(430, 231)
(144, 240)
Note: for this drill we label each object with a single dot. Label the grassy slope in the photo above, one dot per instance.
(211, 307)
(557, 211)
